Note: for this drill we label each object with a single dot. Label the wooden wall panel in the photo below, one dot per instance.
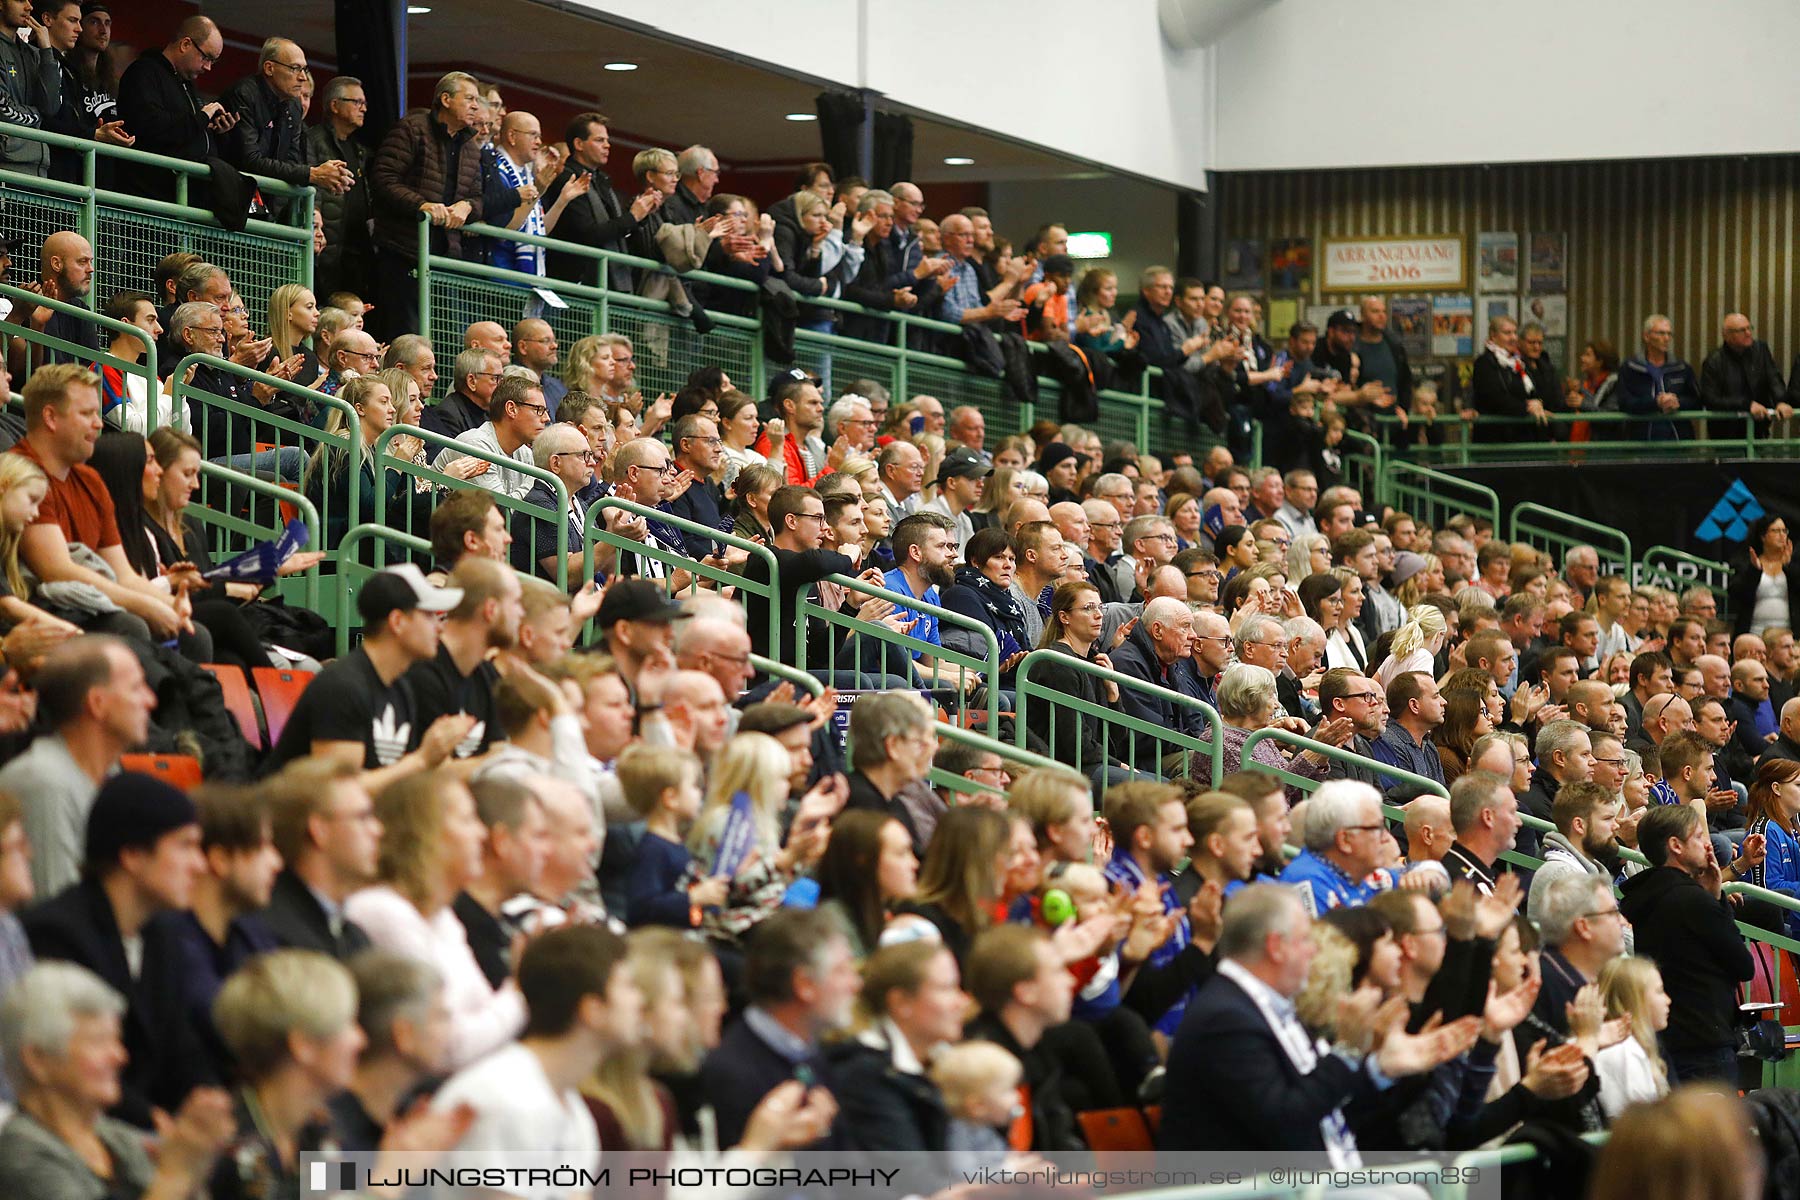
(1694, 238)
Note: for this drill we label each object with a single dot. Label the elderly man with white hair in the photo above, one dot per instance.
(851, 420)
(1150, 653)
(1248, 701)
(1346, 839)
(1305, 641)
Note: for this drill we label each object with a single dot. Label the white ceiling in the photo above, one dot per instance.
(679, 95)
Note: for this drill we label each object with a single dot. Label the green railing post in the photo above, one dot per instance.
(425, 276)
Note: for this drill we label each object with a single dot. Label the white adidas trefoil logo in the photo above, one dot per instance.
(390, 740)
(469, 745)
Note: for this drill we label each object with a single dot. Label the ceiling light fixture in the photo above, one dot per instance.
(959, 162)
(417, 10)
(620, 66)
(803, 116)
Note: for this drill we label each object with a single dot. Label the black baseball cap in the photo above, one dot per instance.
(1344, 318)
(637, 600)
(964, 463)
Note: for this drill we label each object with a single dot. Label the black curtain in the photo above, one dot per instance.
(371, 37)
(841, 133)
(1197, 235)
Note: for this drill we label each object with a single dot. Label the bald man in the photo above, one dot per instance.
(1787, 737)
(158, 103)
(270, 135)
(1741, 375)
(489, 336)
(1429, 833)
(534, 346)
(66, 273)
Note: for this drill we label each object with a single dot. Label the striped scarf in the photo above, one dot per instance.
(529, 259)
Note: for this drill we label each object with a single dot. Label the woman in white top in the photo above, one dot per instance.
(430, 850)
(1632, 1072)
(1344, 645)
(1415, 645)
(738, 429)
(1763, 593)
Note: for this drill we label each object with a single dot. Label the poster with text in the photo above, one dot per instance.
(1549, 262)
(1552, 312)
(1284, 314)
(1409, 320)
(1453, 326)
(1290, 265)
(1497, 262)
(1244, 265)
(1493, 307)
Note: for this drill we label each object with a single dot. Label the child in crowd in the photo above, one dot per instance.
(980, 1085)
(662, 783)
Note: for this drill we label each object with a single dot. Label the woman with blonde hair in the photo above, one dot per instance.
(431, 844)
(630, 1107)
(294, 318)
(1308, 554)
(1632, 1071)
(333, 471)
(23, 486)
(1415, 644)
(757, 766)
(589, 365)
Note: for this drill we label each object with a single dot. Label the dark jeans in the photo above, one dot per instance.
(1690, 1066)
(396, 293)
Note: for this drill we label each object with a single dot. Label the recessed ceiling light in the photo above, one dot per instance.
(621, 66)
(417, 10)
(959, 162)
(803, 116)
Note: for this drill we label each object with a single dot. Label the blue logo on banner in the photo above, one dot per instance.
(1731, 516)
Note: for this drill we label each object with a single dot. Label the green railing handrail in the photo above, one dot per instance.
(1648, 565)
(348, 565)
(309, 513)
(199, 170)
(145, 368)
(1335, 754)
(1598, 535)
(1376, 490)
(350, 435)
(778, 670)
(988, 666)
(1025, 687)
(562, 287)
(88, 357)
(499, 462)
(594, 532)
(1442, 488)
(962, 786)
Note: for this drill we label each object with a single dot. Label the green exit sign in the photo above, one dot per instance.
(1090, 245)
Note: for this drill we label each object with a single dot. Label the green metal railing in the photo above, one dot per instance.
(1559, 532)
(1616, 437)
(435, 478)
(959, 786)
(667, 347)
(952, 670)
(1168, 741)
(1663, 566)
(1433, 496)
(351, 571)
(275, 442)
(137, 231)
(595, 533)
(1334, 754)
(775, 670)
(144, 370)
(1364, 463)
(241, 528)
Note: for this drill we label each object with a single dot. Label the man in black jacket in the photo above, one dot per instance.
(601, 219)
(1242, 1027)
(1681, 922)
(347, 263)
(801, 981)
(269, 138)
(1741, 375)
(161, 110)
(1024, 992)
(797, 516)
(80, 111)
(324, 824)
(143, 857)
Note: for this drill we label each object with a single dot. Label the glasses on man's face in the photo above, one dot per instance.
(1213, 576)
(537, 408)
(352, 101)
(1618, 763)
(208, 59)
(1278, 647)
(714, 442)
(1604, 912)
(486, 375)
(811, 516)
(1365, 697)
(296, 68)
(1365, 828)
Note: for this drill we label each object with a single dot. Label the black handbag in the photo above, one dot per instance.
(1760, 1034)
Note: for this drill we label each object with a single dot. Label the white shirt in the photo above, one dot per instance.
(1771, 603)
(1627, 1077)
(518, 1109)
(495, 479)
(481, 1018)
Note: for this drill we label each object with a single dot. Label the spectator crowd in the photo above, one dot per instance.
(498, 883)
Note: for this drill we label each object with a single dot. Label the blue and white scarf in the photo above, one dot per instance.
(517, 256)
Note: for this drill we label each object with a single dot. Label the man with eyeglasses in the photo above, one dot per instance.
(353, 353)
(719, 647)
(1583, 929)
(1741, 375)
(534, 348)
(270, 135)
(159, 105)
(797, 517)
(698, 451)
(1200, 569)
(473, 379)
(563, 451)
(348, 261)
(516, 415)
(1344, 839)
(1347, 694)
(645, 474)
(1105, 542)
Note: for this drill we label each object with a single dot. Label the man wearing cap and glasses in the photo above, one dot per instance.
(961, 479)
(357, 710)
(1337, 350)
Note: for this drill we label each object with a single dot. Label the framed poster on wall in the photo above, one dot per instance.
(1244, 265)
(1436, 262)
(1497, 262)
(1410, 321)
(1452, 326)
(1290, 265)
(1549, 271)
